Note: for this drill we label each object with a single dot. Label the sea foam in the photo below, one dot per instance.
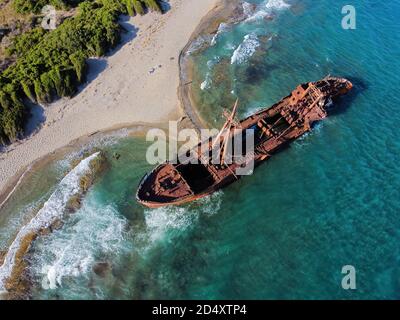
(265, 9)
(207, 83)
(277, 5)
(223, 27)
(95, 232)
(246, 49)
(52, 210)
(167, 222)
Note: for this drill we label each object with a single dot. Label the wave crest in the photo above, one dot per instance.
(97, 232)
(51, 211)
(264, 10)
(246, 49)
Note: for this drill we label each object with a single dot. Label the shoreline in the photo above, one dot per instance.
(161, 34)
(226, 11)
(77, 149)
(133, 129)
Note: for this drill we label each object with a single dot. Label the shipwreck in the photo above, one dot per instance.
(274, 128)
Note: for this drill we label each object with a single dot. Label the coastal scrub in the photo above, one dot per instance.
(52, 64)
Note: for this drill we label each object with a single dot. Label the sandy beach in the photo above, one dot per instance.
(137, 82)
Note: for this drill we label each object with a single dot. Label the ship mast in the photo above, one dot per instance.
(225, 132)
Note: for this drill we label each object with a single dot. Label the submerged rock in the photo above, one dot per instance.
(56, 225)
(2, 256)
(73, 204)
(96, 166)
(117, 156)
(101, 269)
(19, 283)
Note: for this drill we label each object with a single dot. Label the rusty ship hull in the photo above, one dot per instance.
(275, 127)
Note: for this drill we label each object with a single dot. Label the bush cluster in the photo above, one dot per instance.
(52, 64)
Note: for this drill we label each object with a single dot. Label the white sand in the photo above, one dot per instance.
(124, 92)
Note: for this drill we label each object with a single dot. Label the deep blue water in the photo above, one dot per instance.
(331, 199)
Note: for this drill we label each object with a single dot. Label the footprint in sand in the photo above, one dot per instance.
(154, 69)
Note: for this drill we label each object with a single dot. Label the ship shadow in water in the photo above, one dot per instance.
(257, 73)
(342, 104)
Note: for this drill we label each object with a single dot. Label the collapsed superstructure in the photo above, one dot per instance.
(273, 128)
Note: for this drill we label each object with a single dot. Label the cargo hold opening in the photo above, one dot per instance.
(196, 175)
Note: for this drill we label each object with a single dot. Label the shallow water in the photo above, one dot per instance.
(331, 199)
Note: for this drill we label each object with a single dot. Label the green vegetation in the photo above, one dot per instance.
(52, 64)
(25, 40)
(35, 6)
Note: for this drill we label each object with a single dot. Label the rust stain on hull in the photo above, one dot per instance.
(274, 127)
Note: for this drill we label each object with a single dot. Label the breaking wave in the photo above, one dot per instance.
(52, 210)
(223, 27)
(96, 233)
(167, 222)
(198, 44)
(277, 5)
(246, 49)
(206, 84)
(99, 233)
(248, 9)
(264, 10)
(17, 221)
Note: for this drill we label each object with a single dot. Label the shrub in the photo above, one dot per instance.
(53, 64)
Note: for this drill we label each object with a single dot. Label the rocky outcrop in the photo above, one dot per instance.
(17, 282)
(96, 167)
(2, 255)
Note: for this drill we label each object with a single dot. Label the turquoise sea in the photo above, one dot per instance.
(331, 199)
